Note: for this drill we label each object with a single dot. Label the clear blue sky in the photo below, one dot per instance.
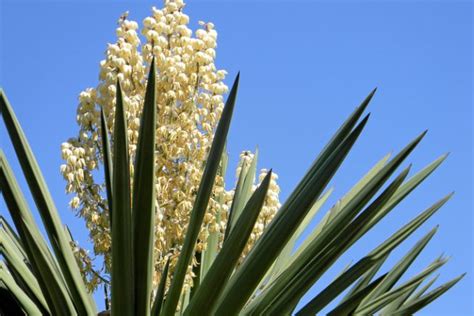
(305, 66)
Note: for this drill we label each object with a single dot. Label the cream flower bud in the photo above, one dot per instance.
(183, 19)
(148, 22)
(74, 203)
(152, 35)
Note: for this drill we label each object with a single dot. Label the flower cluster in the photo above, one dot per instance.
(90, 276)
(189, 94)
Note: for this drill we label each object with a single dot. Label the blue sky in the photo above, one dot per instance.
(304, 66)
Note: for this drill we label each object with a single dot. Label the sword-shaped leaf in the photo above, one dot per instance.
(213, 283)
(107, 161)
(243, 191)
(123, 300)
(26, 303)
(15, 261)
(307, 268)
(421, 291)
(144, 200)
(346, 307)
(13, 236)
(201, 203)
(379, 302)
(269, 245)
(424, 300)
(285, 258)
(336, 287)
(47, 209)
(209, 254)
(160, 292)
(365, 279)
(399, 269)
(48, 275)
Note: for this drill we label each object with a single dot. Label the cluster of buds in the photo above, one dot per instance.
(189, 90)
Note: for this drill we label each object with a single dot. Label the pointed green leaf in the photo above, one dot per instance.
(285, 258)
(48, 275)
(123, 301)
(212, 247)
(410, 227)
(355, 190)
(404, 190)
(376, 169)
(380, 301)
(107, 161)
(336, 287)
(426, 299)
(160, 292)
(399, 301)
(13, 236)
(14, 259)
(365, 279)
(319, 256)
(347, 306)
(144, 200)
(226, 260)
(421, 291)
(269, 245)
(26, 303)
(243, 191)
(397, 271)
(47, 210)
(201, 203)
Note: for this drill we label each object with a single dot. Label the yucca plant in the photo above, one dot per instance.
(270, 280)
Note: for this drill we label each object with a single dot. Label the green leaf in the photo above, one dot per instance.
(365, 279)
(212, 247)
(347, 306)
(336, 287)
(107, 161)
(47, 210)
(269, 245)
(243, 191)
(421, 302)
(213, 283)
(399, 269)
(405, 189)
(410, 227)
(399, 301)
(399, 195)
(44, 268)
(144, 201)
(360, 185)
(160, 292)
(123, 301)
(383, 300)
(421, 291)
(201, 203)
(354, 192)
(380, 301)
(285, 258)
(13, 237)
(14, 259)
(184, 300)
(26, 303)
(319, 256)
